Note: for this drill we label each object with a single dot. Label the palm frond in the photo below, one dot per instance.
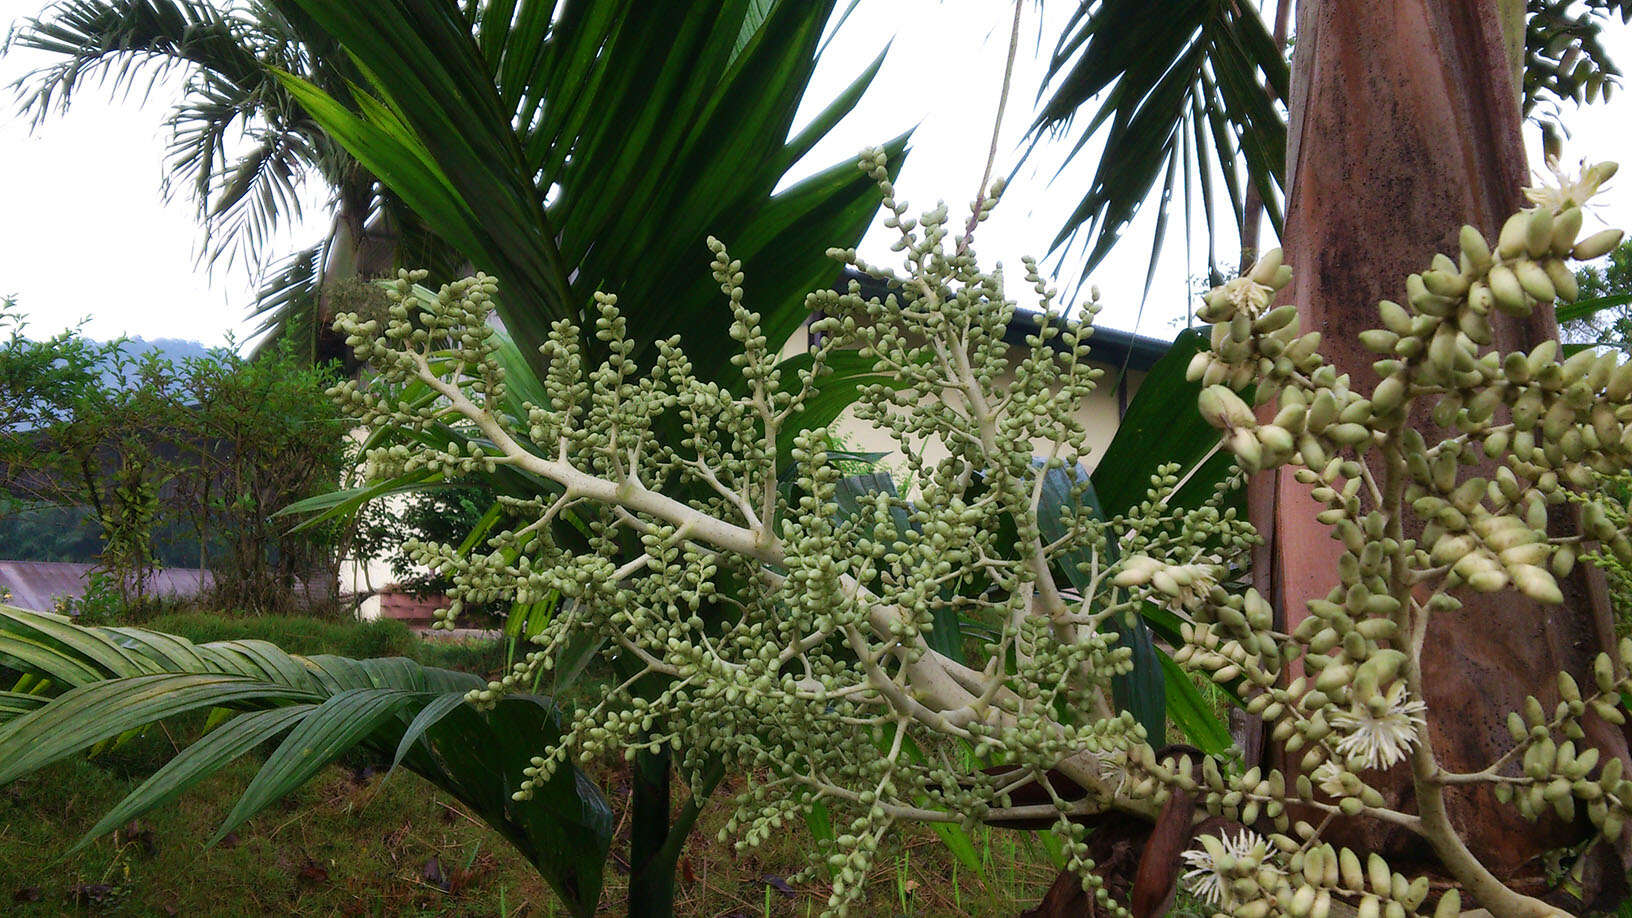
(286, 302)
(260, 192)
(230, 96)
(634, 121)
(124, 41)
(74, 688)
(1188, 94)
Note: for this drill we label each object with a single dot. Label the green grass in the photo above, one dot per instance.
(343, 846)
(474, 656)
(295, 634)
(335, 847)
(307, 636)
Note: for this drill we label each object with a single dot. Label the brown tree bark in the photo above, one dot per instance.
(1405, 124)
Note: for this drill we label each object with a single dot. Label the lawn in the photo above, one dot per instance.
(357, 843)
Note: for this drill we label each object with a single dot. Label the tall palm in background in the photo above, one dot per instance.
(1192, 105)
(240, 145)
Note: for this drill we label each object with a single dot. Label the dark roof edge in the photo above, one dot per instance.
(1111, 346)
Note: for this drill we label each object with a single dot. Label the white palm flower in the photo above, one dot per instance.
(1567, 190)
(1328, 777)
(1248, 296)
(1383, 733)
(1247, 850)
(1185, 584)
(1113, 770)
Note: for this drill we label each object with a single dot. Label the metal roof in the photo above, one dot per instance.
(1109, 346)
(38, 585)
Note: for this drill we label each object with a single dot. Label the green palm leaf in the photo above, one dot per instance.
(79, 687)
(197, 762)
(572, 147)
(341, 722)
(1175, 97)
(89, 714)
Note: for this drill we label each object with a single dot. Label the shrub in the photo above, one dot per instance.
(217, 443)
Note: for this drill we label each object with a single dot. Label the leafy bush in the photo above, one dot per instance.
(215, 444)
(98, 605)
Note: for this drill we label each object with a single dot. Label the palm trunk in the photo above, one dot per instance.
(358, 249)
(1405, 124)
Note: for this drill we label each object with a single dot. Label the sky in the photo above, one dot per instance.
(88, 233)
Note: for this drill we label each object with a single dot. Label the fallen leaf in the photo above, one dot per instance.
(139, 834)
(459, 879)
(313, 872)
(433, 874)
(688, 874)
(779, 884)
(26, 894)
(228, 841)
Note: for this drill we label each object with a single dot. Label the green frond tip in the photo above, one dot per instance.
(79, 687)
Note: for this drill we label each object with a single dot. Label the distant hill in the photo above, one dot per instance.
(173, 349)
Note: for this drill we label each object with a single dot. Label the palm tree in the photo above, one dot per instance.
(1197, 100)
(1404, 117)
(569, 147)
(574, 147)
(240, 145)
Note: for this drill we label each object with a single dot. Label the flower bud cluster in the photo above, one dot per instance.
(1446, 478)
(776, 618)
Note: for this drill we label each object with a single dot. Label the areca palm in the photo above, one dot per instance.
(1401, 115)
(240, 145)
(576, 147)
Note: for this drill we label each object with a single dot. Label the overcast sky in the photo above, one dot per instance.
(87, 232)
